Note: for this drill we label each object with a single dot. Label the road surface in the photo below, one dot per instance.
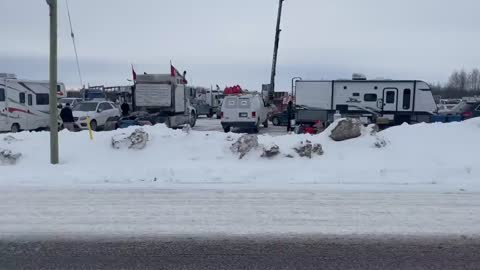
(206, 124)
(219, 229)
(313, 252)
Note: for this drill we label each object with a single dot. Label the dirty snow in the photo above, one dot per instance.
(420, 157)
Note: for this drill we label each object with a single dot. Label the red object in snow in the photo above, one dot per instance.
(310, 130)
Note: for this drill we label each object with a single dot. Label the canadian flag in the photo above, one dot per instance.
(175, 73)
(134, 74)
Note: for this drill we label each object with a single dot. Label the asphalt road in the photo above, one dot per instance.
(207, 124)
(313, 252)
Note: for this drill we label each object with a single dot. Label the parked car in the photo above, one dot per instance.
(244, 111)
(98, 112)
(466, 109)
(279, 119)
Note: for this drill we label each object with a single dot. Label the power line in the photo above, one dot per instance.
(74, 44)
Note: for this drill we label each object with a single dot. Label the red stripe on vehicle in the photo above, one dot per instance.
(11, 110)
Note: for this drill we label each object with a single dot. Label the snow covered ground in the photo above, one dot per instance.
(419, 158)
(122, 213)
(425, 181)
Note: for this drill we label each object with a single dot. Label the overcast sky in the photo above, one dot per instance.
(229, 42)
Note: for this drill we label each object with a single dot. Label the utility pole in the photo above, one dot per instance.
(53, 83)
(271, 89)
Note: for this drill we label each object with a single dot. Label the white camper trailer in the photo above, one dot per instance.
(393, 101)
(24, 104)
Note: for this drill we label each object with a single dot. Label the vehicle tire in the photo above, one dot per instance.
(93, 125)
(256, 129)
(193, 119)
(219, 116)
(15, 128)
(210, 114)
(276, 121)
(265, 124)
(227, 129)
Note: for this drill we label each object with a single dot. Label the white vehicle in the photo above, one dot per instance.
(24, 104)
(72, 101)
(165, 98)
(97, 111)
(244, 111)
(394, 101)
(207, 101)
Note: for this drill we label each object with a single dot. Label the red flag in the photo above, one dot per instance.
(134, 74)
(174, 73)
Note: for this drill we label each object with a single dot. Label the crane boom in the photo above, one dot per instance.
(271, 89)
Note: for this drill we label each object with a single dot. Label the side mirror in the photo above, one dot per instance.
(99, 110)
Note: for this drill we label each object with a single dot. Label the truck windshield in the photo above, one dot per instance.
(86, 107)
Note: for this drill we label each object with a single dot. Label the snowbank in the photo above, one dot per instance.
(419, 157)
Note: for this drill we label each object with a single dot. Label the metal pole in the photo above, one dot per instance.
(275, 53)
(294, 79)
(53, 83)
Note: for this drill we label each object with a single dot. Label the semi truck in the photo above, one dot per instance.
(165, 99)
(206, 101)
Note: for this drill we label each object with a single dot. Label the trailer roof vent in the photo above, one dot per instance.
(359, 77)
(7, 76)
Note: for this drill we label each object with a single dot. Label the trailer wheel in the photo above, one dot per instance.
(226, 129)
(15, 128)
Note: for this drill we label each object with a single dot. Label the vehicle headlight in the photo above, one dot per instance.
(83, 118)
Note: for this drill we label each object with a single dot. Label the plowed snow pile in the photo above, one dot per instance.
(414, 157)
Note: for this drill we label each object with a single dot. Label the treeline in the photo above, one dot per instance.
(460, 84)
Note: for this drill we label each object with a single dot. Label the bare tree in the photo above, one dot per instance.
(463, 77)
(454, 81)
(474, 80)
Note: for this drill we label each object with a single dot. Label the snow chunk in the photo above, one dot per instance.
(346, 129)
(7, 157)
(137, 140)
(244, 145)
(307, 149)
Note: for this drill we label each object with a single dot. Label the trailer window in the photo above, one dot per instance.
(390, 99)
(21, 97)
(43, 99)
(370, 97)
(30, 100)
(407, 95)
(2, 94)
(356, 94)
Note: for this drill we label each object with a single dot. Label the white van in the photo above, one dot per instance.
(244, 111)
(24, 104)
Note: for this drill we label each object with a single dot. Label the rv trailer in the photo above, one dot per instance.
(390, 102)
(24, 104)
